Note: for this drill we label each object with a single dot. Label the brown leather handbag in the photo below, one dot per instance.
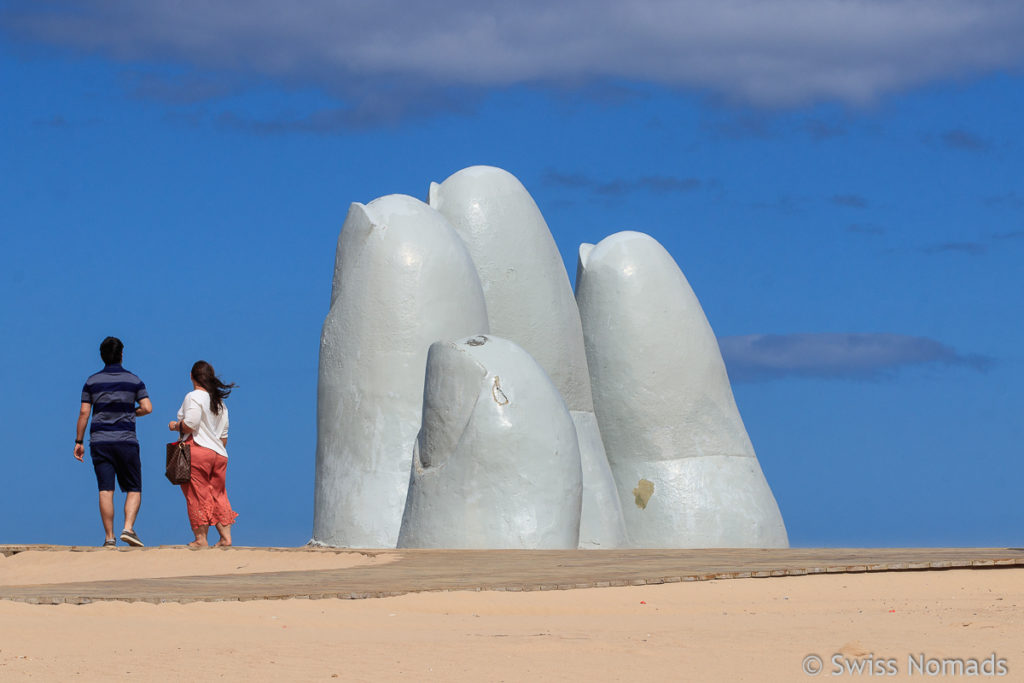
(179, 461)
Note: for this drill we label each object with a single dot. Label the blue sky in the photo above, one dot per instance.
(841, 182)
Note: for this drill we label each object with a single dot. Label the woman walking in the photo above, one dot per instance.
(203, 418)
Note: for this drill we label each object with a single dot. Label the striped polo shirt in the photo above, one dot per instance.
(113, 393)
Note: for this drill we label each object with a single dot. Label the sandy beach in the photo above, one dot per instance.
(896, 625)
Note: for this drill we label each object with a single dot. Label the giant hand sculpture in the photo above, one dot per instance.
(498, 439)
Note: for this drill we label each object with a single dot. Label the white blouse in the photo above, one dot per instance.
(207, 429)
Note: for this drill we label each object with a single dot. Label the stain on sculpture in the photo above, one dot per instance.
(530, 302)
(403, 279)
(496, 462)
(684, 466)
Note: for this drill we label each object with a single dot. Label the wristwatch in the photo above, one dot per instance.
(79, 442)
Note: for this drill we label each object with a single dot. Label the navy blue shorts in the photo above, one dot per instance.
(120, 459)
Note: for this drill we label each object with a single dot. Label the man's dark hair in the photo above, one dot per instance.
(110, 350)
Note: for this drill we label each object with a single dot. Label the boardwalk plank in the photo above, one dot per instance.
(505, 570)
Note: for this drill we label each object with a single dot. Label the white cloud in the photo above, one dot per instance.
(850, 356)
(774, 53)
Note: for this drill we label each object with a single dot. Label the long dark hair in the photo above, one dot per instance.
(203, 375)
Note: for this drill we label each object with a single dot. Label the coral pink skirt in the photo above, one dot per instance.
(205, 495)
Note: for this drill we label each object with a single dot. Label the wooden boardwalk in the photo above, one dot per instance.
(411, 571)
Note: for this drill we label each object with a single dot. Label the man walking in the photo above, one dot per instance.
(111, 396)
